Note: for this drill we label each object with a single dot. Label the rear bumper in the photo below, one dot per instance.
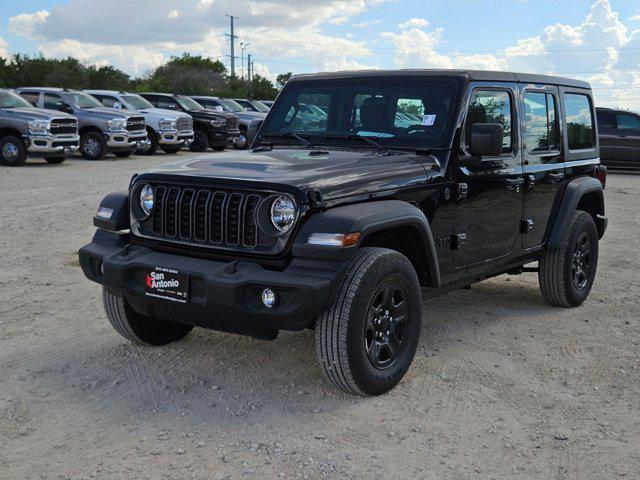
(51, 144)
(223, 296)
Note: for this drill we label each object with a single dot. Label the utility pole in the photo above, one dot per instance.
(232, 38)
(249, 76)
(243, 47)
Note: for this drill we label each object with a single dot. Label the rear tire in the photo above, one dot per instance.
(13, 151)
(139, 328)
(55, 160)
(566, 274)
(93, 146)
(200, 142)
(366, 341)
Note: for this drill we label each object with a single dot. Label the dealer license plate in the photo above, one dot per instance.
(167, 284)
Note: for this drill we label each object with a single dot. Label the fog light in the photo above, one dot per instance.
(268, 298)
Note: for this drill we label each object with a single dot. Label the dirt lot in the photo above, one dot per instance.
(503, 386)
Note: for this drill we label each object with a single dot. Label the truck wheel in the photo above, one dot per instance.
(93, 146)
(13, 152)
(55, 160)
(366, 341)
(171, 149)
(139, 328)
(566, 274)
(153, 144)
(123, 154)
(200, 142)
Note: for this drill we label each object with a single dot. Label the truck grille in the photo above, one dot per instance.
(64, 126)
(204, 216)
(184, 124)
(232, 124)
(135, 124)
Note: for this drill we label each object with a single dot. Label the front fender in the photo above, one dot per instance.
(118, 204)
(366, 218)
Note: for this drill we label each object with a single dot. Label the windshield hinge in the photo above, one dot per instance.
(315, 199)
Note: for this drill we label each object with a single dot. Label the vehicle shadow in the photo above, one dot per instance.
(220, 380)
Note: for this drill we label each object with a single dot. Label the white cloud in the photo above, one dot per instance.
(4, 48)
(413, 23)
(28, 24)
(173, 14)
(342, 63)
(366, 23)
(635, 18)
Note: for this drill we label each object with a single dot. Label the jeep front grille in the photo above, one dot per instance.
(184, 124)
(224, 218)
(64, 126)
(135, 124)
(232, 124)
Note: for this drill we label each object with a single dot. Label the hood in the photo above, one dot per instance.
(105, 112)
(336, 174)
(251, 115)
(205, 113)
(162, 112)
(28, 113)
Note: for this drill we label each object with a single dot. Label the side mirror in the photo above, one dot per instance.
(117, 105)
(486, 139)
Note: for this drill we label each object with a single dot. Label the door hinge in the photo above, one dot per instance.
(526, 225)
(458, 241)
(462, 191)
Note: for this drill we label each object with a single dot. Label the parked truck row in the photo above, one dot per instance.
(53, 123)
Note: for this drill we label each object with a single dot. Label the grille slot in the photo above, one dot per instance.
(64, 126)
(204, 216)
(184, 124)
(135, 124)
(232, 124)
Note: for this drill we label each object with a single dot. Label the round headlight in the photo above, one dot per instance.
(146, 199)
(283, 213)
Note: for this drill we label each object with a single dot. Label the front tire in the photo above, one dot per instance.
(139, 328)
(13, 151)
(566, 274)
(366, 341)
(153, 144)
(200, 142)
(93, 146)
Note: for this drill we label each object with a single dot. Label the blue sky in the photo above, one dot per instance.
(597, 40)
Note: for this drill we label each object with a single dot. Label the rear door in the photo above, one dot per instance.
(607, 134)
(628, 140)
(489, 209)
(543, 159)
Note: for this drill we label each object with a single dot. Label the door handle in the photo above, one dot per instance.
(556, 177)
(514, 184)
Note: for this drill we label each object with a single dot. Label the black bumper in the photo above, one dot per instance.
(223, 296)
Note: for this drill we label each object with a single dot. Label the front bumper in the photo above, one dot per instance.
(223, 296)
(127, 140)
(175, 137)
(51, 144)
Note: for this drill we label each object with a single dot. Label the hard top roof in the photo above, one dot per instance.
(473, 75)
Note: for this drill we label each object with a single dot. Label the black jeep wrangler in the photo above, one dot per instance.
(415, 183)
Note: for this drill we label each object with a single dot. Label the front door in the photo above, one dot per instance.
(543, 160)
(489, 204)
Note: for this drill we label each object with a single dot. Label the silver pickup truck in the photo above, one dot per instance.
(166, 129)
(102, 130)
(28, 131)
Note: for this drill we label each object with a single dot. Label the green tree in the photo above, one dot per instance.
(283, 78)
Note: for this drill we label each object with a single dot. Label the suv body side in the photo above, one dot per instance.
(92, 119)
(171, 128)
(619, 132)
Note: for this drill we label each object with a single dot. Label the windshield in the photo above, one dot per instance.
(82, 100)
(261, 107)
(189, 104)
(232, 106)
(403, 112)
(136, 102)
(12, 100)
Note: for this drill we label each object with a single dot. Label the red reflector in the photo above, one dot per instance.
(601, 174)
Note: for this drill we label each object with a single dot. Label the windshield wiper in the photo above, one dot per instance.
(380, 150)
(302, 140)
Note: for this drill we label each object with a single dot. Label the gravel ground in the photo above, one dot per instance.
(502, 386)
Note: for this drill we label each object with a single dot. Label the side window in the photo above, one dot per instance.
(410, 111)
(491, 106)
(52, 101)
(628, 123)
(165, 102)
(106, 101)
(541, 124)
(579, 121)
(31, 97)
(606, 120)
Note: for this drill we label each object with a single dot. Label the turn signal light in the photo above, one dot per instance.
(339, 240)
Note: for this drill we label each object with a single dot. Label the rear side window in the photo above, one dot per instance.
(31, 97)
(606, 120)
(541, 122)
(628, 123)
(106, 101)
(579, 121)
(490, 106)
